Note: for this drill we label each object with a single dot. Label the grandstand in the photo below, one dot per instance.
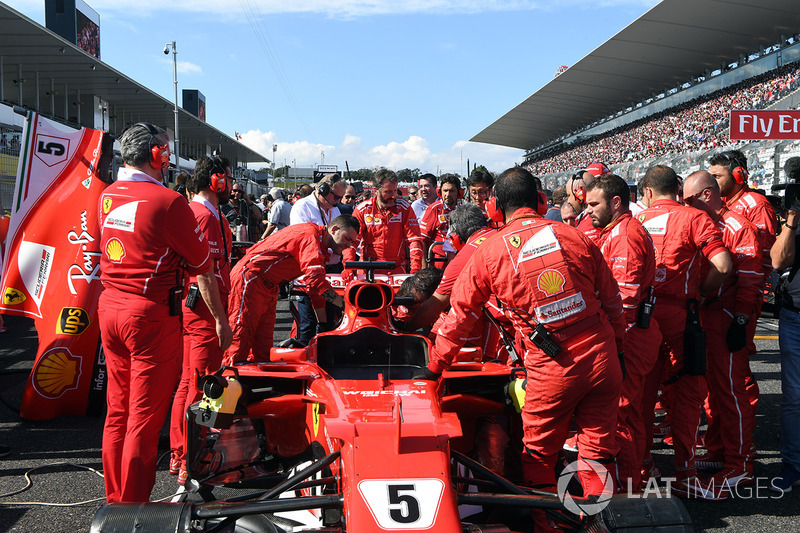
(661, 92)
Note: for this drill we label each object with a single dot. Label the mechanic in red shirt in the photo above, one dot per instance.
(629, 253)
(727, 315)
(205, 324)
(297, 250)
(730, 170)
(681, 235)
(149, 240)
(550, 279)
(434, 223)
(388, 226)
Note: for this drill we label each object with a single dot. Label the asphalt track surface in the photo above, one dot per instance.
(77, 440)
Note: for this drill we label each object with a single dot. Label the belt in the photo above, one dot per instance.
(670, 300)
(575, 332)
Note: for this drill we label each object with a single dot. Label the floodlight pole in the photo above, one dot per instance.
(175, 81)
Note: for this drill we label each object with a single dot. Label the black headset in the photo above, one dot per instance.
(326, 186)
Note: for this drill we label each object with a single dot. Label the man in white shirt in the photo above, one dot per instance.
(426, 185)
(318, 207)
(279, 215)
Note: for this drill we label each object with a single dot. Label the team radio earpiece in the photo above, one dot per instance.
(456, 241)
(218, 178)
(496, 214)
(738, 170)
(159, 154)
(325, 188)
(578, 192)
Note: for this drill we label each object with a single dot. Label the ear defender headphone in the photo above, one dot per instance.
(578, 192)
(541, 204)
(460, 192)
(218, 178)
(159, 154)
(738, 170)
(456, 241)
(495, 211)
(325, 187)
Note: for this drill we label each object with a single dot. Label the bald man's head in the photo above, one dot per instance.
(701, 190)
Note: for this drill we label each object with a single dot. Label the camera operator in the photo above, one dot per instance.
(240, 212)
(784, 255)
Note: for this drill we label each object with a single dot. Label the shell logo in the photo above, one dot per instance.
(551, 282)
(106, 205)
(115, 250)
(368, 219)
(56, 372)
(13, 297)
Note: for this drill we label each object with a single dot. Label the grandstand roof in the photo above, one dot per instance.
(32, 56)
(669, 45)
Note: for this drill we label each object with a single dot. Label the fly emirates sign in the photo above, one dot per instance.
(760, 125)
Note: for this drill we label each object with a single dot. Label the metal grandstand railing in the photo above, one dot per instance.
(765, 160)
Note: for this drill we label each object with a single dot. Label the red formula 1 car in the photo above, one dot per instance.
(341, 436)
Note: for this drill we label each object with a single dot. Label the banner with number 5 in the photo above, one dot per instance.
(52, 263)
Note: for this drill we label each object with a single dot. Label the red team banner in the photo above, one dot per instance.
(760, 125)
(52, 264)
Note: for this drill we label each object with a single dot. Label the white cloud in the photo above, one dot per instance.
(184, 67)
(412, 153)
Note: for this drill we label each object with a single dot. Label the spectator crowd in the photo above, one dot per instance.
(697, 125)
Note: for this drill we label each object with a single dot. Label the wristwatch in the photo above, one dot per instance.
(742, 320)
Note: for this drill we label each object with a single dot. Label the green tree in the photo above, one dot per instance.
(362, 174)
(407, 174)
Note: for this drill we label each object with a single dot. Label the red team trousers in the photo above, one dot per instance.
(143, 349)
(690, 390)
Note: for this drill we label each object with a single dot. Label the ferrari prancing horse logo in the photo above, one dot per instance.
(106, 205)
(514, 241)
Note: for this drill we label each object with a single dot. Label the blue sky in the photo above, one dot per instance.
(377, 83)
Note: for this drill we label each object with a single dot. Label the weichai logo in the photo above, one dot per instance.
(73, 321)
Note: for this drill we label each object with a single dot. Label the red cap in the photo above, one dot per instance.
(598, 169)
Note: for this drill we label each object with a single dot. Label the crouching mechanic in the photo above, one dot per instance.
(551, 282)
(149, 239)
(298, 250)
(206, 332)
(629, 253)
